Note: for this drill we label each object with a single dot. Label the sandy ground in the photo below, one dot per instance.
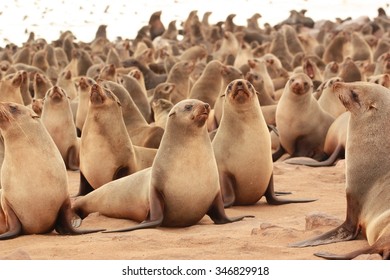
(265, 237)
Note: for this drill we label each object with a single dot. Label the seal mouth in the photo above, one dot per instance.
(56, 93)
(240, 92)
(299, 87)
(309, 69)
(202, 112)
(97, 95)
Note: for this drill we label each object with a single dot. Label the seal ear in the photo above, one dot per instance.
(172, 114)
(372, 105)
(34, 115)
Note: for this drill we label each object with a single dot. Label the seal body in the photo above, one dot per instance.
(37, 199)
(301, 122)
(58, 119)
(184, 182)
(367, 171)
(242, 148)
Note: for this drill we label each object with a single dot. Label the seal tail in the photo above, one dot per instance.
(273, 199)
(64, 221)
(314, 163)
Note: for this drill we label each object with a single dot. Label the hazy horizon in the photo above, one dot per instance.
(48, 18)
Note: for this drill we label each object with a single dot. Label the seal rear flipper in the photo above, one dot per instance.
(156, 214)
(227, 183)
(314, 163)
(218, 215)
(274, 200)
(278, 153)
(344, 232)
(12, 222)
(65, 219)
(85, 187)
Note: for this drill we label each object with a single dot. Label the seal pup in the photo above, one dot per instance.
(302, 124)
(184, 183)
(57, 117)
(367, 172)
(41, 204)
(106, 150)
(245, 175)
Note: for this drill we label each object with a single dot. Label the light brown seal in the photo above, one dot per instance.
(242, 148)
(36, 200)
(334, 146)
(301, 122)
(184, 186)
(57, 117)
(367, 172)
(106, 151)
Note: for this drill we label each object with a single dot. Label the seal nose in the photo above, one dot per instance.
(206, 106)
(239, 83)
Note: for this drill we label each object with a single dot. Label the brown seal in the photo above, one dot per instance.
(245, 175)
(57, 117)
(328, 100)
(115, 156)
(36, 200)
(301, 122)
(84, 88)
(184, 186)
(141, 133)
(367, 172)
(334, 146)
(10, 88)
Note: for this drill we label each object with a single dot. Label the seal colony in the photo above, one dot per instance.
(231, 101)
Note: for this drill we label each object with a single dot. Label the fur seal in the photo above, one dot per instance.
(301, 122)
(116, 156)
(42, 204)
(140, 132)
(367, 172)
(334, 146)
(84, 88)
(10, 88)
(328, 100)
(161, 109)
(57, 117)
(245, 176)
(180, 196)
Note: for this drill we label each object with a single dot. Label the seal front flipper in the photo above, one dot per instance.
(85, 187)
(14, 225)
(274, 200)
(227, 188)
(156, 214)
(344, 232)
(278, 153)
(315, 163)
(72, 159)
(218, 215)
(65, 219)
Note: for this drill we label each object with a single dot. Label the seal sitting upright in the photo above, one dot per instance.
(242, 147)
(367, 171)
(184, 183)
(36, 200)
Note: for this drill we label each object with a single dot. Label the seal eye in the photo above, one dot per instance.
(229, 88)
(13, 108)
(355, 96)
(188, 107)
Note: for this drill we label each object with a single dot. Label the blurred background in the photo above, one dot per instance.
(48, 18)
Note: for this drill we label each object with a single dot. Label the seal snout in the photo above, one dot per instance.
(56, 93)
(299, 86)
(96, 94)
